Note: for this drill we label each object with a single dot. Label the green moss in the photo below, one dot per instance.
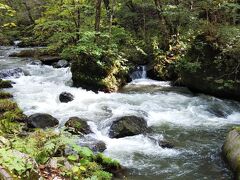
(5, 84)
(107, 162)
(5, 95)
(7, 105)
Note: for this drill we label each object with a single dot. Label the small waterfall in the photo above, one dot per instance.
(139, 73)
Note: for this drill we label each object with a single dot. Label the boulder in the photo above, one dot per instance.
(97, 74)
(165, 144)
(93, 144)
(49, 60)
(5, 84)
(66, 97)
(128, 126)
(36, 62)
(40, 120)
(61, 64)
(16, 72)
(231, 151)
(78, 126)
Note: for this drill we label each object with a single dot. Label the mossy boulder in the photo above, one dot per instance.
(5, 95)
(76, 125)
(5, 84)
(231, 151)
(128, 126)
(98, 74)
(212, 64)
(40, 120)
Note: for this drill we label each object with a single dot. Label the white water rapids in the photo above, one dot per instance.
(195, 124)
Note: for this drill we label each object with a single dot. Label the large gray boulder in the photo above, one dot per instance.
(231, 151)
(128, 126)
(40, 120)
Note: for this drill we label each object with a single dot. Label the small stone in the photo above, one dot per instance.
(66, 97)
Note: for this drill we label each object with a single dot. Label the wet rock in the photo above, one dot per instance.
(128, 126)
(36, 62)
(61, 64)
(93, 144)
(162, 143)
(40, 120)
(165, 144)
(16, 72)
(231, 151)
(99, 146)
(78, 126)
(5, 84)
(49, 60)
(66, 97)
(113, 167)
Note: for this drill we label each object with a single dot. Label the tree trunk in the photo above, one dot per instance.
(98, 15)
(162, 23)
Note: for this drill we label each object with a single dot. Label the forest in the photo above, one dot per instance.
(82, 79)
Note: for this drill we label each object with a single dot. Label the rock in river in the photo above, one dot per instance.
(76, 125)
(61, 64)
(66, 97)
(40, 120)
(231, 151)
(128, 126)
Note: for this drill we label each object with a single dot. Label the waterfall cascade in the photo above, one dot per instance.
(139, 73)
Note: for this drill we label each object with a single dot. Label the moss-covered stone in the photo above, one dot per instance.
(5, 95)
(231, 151)
(5, 84)
(98, 74)
(76, 125)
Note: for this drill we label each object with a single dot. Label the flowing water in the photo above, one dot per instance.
(195, 124)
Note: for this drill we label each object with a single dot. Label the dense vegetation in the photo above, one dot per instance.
(112, 37)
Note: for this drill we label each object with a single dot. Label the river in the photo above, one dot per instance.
(195, 123)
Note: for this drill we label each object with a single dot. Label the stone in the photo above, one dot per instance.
(231, 151)
(5, 84)
(49, 60)
(66, 97)
(36, 62)
(165, 144)
(40, 120)
(128, 126)
(77, 126)
(61, 64)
